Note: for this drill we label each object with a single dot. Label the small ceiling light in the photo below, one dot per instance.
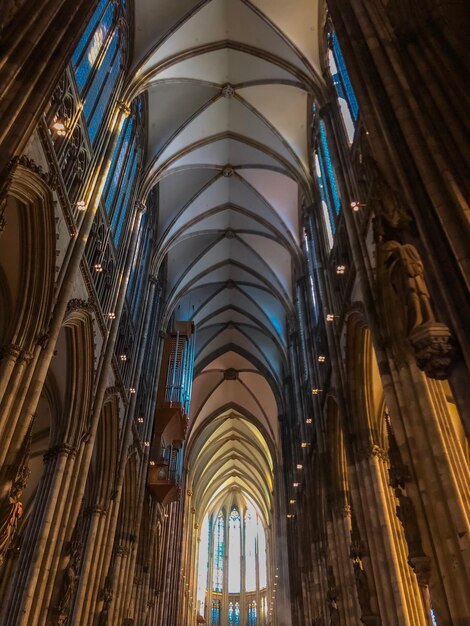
(296, 484)
(341, 269)
(166, 514)
(81, 205)
(112, 316)
(140, 420)
(147, 444)
(123, 357)
(300, 466)
(321, 358)
(132, 390)
(304, 444)
(309, 420)
(98, 267)
(290, 502)
(315, 391)
(330, 317)
(152, 463)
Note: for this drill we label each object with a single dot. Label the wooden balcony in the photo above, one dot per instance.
(171, 422)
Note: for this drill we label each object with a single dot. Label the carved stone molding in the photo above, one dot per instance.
(49, 178)
(434, 349)
(62, 450)
(11, 351)
(77, 304)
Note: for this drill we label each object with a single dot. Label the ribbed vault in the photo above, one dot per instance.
(230, 86)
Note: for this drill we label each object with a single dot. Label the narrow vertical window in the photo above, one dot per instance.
(219, 553)
(250, 550)
(344, 91)
(234, 568)
(215, 613)
(326, 179)
(262, 557)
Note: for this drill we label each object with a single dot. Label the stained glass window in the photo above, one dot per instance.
(252, 613)
(326, 178)
(119, 157)
(139, 266)
(97, 62)
(234, 614)
(346, 96)
(203, 565)
(215, 613)
(92, 41)
(219, 553)
(234, 566)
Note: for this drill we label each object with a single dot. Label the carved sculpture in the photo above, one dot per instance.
(71, 575)
(406, 273)
(12, 509)
(431, 340)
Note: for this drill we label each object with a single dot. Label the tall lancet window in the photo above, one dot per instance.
(262, 556)
(252, 613)
(219, 553)
(215, 613)
(234, 567)
(250, 550)
(326, 178)
(346, 96)
(234, 614)
(97, 62)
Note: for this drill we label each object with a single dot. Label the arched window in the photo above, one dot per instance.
(346, 96)
(215, 613)
(219, 553)
(234, 614)
(234, 566)
(326, 178)
(252, 613)
(97, 62)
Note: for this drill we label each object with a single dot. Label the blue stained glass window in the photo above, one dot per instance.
(327, 164)
(84, 39)
(139, 266)
(100, 77)
(234, 614)
(90, 45)
(341, 79)
(215, 613)
(119, 156)
(433, 618)
(102, 105)
(219, 553)
(252, 614)
(125, 193)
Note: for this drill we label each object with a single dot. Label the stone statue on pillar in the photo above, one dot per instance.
(11, 509)
(431, 340)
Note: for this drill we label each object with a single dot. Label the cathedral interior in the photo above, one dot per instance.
(234, 313)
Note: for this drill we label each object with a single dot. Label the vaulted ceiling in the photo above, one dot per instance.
(230, 87)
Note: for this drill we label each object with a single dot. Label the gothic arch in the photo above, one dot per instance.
(27, 257)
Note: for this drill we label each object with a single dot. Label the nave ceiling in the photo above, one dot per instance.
(230, 86)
